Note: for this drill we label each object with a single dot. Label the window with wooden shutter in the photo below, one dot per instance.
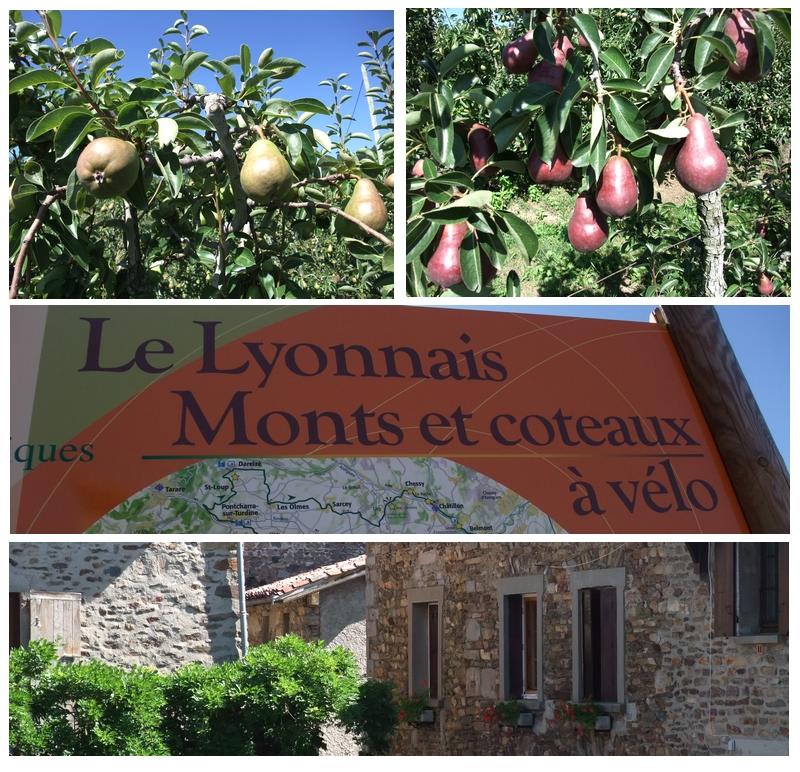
(425, 642)
(598, 635)
(520, 637)
(52, 616)
(750, 589)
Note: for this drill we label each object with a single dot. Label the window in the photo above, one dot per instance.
(50, 616)
(751, 589)
(424, 642)
(520, 602)
(598, 635)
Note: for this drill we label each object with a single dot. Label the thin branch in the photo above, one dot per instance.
(54, 195)
(188, 161)
(133, 249)
(104, 116)
(331, 178)
(336, 210)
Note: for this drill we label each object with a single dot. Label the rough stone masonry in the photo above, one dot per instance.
(686, 691)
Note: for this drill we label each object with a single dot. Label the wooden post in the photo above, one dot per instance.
(755, 466)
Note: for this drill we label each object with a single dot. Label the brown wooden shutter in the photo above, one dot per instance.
(587, 690)
(783, 588)
(433, 650)
(56, 616)
(14, 640)
(514, 645)
(607, 602)
(531, 641)
(724, 589)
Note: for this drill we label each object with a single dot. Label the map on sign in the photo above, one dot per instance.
(326, 495)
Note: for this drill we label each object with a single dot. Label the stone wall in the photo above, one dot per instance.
(267, 561)
(159, 604)
(686, 690)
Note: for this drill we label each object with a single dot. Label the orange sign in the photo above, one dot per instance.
(371, 418)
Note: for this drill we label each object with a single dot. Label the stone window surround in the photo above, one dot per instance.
(582, 580)
(425, 595)
(522, 585)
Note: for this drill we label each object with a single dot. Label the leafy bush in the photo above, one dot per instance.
(185, 228)
(275, 701)
(372, 717)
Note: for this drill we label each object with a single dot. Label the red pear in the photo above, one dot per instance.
(588, 228)
(554, 173)
(481, 148)
(765, 285)
(739, 29)
(416, 169)
(583, 42)
(519, 54)
(444, 267)
(617, 192)
(700, 165)
(550, 74)
(564, 44)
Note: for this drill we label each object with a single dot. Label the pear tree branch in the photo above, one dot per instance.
(215, 105)
(54, 195)
(105, 117)
(133, 248)
(328, 180)
(341, 213)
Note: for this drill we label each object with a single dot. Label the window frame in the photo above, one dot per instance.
(525, 586)
(586, 580)
(426, 596)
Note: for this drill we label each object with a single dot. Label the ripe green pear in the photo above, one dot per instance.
(107, 167)
(367, 206)
(266, 175)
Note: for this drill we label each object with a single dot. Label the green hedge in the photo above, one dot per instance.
(275, 701)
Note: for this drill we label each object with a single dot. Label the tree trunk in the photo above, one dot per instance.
(134, 250)
(712, 232)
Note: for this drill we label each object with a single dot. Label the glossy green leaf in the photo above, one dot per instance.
(703, 48)
(588, 28)
(53, 120)
(626, 116)
(101, 62)
(658, 64)
(513, 288)
(471, 263)
(444, 130)
(37, 78)
(455, 56)
(522, 234)
(614, 59)
(71, 132)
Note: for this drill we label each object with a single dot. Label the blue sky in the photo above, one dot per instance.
(759, 336)
(324, 41)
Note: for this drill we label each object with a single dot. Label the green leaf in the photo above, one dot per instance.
(658, 64)
(588, 28)
(93, 46)
(167, 131)
(734, 119)
(71, 132)
(192, 61)
(444, 131)
(543, 43)
(532, 96)
(37, 78)
(24, 30)
(309, 105)
(101, 62)
(722, 44)
(782, 20)
(265, 57)
(131, 112)
(455, 56)
(765, 43)
(419, 237)
(703, 48)
(506, 130)
(513, 289)
(53, 120)
(192, 122)
(415, 279)
(598, 119)
(627, 119)
(657, 16)
(471, 262)
(478, 199)
(323, 140)
(674, 130)
(523, 234)
(624, 84)
(614, 59)
(244, 59)
(54, 22)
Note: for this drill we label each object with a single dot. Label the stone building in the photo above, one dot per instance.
(567, 648)
(160, 604)
(325, 604)
(156, 603)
